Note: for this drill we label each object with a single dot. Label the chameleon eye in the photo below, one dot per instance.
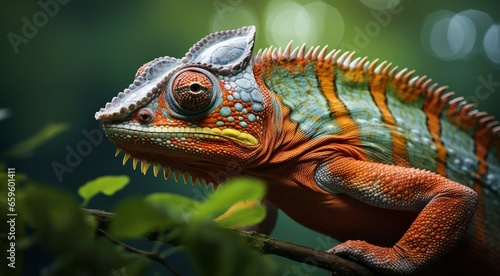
(144, 115)
(191, 92)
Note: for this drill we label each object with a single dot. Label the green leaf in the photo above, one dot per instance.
(59, 224)
(135, 218)
(107, 185)
(171, 200)
(56, 216)
(238, 189)
(25, 147)
(177, 207)
(242, 217)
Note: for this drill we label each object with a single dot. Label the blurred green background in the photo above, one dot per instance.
(64, 60)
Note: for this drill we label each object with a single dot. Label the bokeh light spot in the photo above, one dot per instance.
(302, 23)
(380, 4)
(461, 35)
(232, 17)
(451, 36)
(287, 21)
(491, 43)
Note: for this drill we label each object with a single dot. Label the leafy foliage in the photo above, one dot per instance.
(107, 185)
(27, 146)
(243, 189)
(52, 218)
(55, 221)
(215, 250)
(60, 225)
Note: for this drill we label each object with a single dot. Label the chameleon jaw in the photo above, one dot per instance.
(144, 166)
(161, 132)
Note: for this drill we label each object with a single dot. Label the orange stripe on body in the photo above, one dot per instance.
(433, 107)
(378, 86)
(325, 72)
(482, 141)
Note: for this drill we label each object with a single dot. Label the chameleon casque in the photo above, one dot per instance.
(403, 173)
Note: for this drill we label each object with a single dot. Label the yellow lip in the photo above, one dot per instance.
(169, 131)
(233, 134)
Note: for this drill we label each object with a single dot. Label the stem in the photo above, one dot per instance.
(267, 245)
(150, 255)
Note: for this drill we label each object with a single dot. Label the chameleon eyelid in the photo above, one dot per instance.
(180, 111)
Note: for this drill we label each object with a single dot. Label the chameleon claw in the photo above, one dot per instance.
(176, 176)
(118, 150)
(375, 256)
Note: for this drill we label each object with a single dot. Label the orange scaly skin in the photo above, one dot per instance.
(406, 177)
(433, 233)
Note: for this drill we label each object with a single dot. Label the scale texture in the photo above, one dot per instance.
(403, 173)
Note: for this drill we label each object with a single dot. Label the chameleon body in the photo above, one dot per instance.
(400, 171)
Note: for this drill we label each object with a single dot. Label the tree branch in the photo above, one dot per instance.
(150, 255)
(269, 245)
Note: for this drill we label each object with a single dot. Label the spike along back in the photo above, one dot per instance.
(403, 173)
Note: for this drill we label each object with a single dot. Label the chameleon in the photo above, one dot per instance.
(403, 173)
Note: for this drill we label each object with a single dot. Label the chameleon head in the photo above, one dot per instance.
(192, 114)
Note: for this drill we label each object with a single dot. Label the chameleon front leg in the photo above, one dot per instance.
(446, 209)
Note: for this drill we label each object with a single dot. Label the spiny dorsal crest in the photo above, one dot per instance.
(410, 87)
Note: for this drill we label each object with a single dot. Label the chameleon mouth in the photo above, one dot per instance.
(166, 132)
(145, 165)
